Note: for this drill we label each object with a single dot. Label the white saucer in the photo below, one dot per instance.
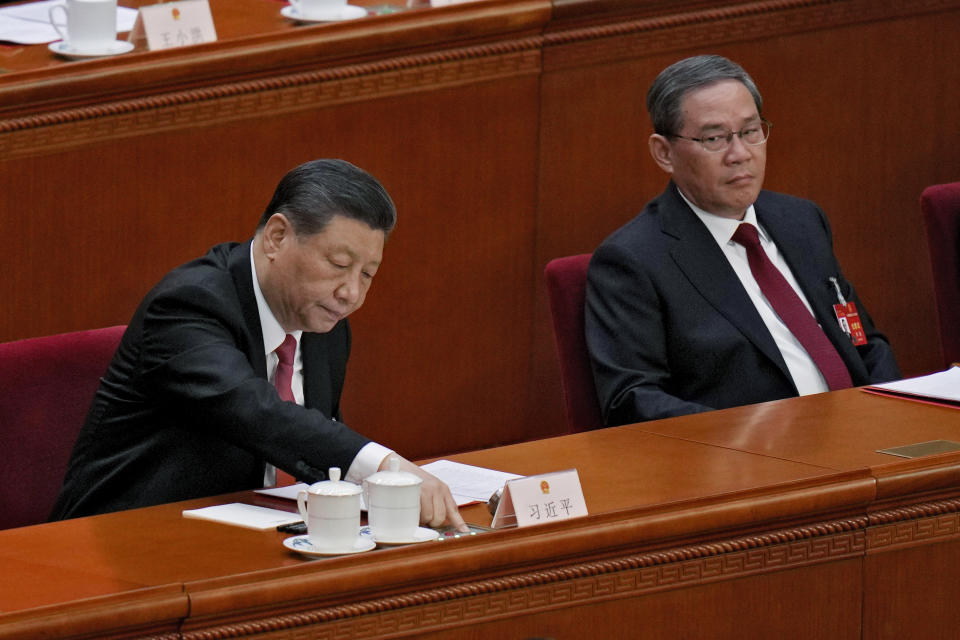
(334, 14)
(114, 48)
(422, 534)
(302, 544)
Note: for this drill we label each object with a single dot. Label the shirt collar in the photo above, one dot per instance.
(722, 229)
(273, 333)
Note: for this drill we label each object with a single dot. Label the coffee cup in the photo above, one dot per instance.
(393, 503)
(91, 25)
(331, 509)
(317, 9)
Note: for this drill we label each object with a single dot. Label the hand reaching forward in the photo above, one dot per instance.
(437, 506)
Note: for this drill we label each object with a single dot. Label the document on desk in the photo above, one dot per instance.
(468, 484)
(244, 515)
(941, 388)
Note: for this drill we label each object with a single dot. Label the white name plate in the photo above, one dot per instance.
(539, 499)
(175, 24)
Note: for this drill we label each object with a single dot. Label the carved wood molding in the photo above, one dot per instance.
(627, 576)
(59, 130)
(699, 29)
(913, 525)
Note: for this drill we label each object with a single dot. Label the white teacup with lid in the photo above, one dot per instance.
(331, 509)
(393, 503)
(88, 26)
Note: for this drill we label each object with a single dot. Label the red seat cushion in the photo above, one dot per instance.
(940, 206)
(566, 289)
(47, 385)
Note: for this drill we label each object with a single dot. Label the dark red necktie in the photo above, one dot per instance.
(283, 381)
(792, 311)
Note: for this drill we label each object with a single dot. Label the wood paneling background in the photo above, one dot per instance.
(508, 133)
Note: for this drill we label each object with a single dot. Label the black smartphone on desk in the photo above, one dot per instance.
(295, 528)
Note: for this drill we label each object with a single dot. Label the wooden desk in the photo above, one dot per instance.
(776, 520)
(508, 132)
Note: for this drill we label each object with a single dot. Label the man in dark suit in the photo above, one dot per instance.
(684, 311)
(190, 406)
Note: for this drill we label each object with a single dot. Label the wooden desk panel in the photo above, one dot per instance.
(682, 536)
(31, 579)
(629, 470)
(155, 612)
(840, 430)
(914, 592)
(821, 602)
(123, 547)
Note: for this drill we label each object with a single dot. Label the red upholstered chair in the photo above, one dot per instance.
(46, 386)
(566, 290)
(940, 205)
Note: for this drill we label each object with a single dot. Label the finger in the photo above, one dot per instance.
(426, 508)
(439, 510)
(454, 519)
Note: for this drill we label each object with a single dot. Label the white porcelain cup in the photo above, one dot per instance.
(331, 510)
(91, 25)
(317, 9)
(393, 503)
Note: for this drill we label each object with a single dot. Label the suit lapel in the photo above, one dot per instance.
(239, 265)
(706, 267)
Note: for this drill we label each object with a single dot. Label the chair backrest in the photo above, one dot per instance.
(46, 387)
(940, 205)
(566, 289)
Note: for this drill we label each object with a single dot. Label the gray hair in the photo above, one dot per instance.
(665, 97)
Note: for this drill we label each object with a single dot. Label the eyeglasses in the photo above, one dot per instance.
(753, 135)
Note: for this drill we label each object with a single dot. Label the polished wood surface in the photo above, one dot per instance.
(693, 520)
(508, 132)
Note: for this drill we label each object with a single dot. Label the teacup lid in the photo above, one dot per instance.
(393, 477)
(334, 486)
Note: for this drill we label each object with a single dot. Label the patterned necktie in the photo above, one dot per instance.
(283, 381)
(792, 311)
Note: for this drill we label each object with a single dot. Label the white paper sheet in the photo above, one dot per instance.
(468, 483)
(944, 385)
(25, 31)
(244, 515)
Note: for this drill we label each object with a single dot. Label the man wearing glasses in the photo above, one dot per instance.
(720, 294)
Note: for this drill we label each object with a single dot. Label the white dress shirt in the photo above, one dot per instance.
(806, 376)
(369, 458)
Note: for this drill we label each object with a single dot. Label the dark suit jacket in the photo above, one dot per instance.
(185, 408)
(672, 331)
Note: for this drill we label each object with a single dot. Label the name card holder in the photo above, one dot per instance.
(539, 499)
(174, 24)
